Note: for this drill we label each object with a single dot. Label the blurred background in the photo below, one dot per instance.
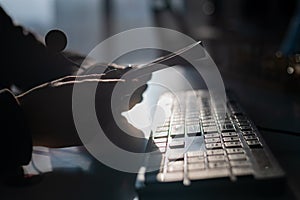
(254, 43)
(248, 38)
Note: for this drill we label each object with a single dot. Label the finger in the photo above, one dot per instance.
(115, 73)
(70, 80)
(83, 81)
(101, 65)
(80, 77)
(34, 89)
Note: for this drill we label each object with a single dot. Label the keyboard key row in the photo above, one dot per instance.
(254, 144)
(212, 140)
(177, 144)
(195, 154)
(213, 146)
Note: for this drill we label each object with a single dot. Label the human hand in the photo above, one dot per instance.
(48, 109)
(123, 96)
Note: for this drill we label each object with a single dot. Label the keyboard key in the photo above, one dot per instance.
(177, 162)
(192, 116)
(229, 134)
(245, 128)
(221, 120)
(177, 144)
(213, 146)
(159, 145)
(177, 130)
(162, 129)
(250, 137)
(206, 174)
(160, 140)
(232, 144)
(195, 154)
(240, 163)
(178, 121)
(174, 123)
(177, 134)
(191, 123)
(235, 150)
(227, 128)
(208, 120)
(226, 124)
(175, 156)
(210, 129)
(175, 168)
(195, 160)
(215, 152)
(211, 135)
(254, 144)
(160, 134)
(248, 133)
(193, 130)
(218, 165)
(167, 123)
(192, 119)
(206, 115)
(171, 177)
(216, 158)
(212, 140)
(178, 116)
(208, 124)
(242, 171)
(230, 139)
(243, 122)
(237, 157)
(196, 166)
(194, 134)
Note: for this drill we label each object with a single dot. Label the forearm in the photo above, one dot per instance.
(16, 145)
(48, 111)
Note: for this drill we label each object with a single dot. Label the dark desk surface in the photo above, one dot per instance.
(278, 109)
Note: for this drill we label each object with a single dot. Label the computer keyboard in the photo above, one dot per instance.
(198, 143)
